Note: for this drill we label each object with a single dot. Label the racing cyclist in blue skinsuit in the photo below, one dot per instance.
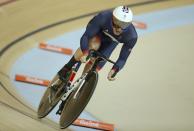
(103, 33)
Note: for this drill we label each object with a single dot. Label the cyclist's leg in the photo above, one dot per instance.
(67, 67)
(95, 45)
(88, 65)
(106, 49)
(62, 75)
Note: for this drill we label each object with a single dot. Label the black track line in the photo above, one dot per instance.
(69, 20)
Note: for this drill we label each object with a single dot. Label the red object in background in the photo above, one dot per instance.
(94, 124)
(32, 80)
(58, 49)
(139, 25)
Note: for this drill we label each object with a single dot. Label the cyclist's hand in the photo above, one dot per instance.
(111, 75)
(83, 59)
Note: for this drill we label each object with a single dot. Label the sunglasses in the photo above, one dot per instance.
(116, 26)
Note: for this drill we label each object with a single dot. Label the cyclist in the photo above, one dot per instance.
(103, 33)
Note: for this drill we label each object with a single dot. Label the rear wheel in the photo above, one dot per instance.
(74, 106)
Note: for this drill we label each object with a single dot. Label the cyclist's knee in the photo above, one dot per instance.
(95, 43)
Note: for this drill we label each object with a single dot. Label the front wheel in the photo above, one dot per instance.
(50, 99)
(75, 105)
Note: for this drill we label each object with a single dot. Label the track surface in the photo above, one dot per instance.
(16, 114)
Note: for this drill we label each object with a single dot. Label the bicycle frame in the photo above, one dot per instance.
(78, 83)
(80, 93)
(72, 87)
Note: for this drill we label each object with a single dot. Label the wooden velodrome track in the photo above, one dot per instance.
(24, 16)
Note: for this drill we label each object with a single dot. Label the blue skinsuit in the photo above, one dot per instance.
(103, 23)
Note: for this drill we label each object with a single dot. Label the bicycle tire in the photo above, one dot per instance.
(45, 107)
(74, 107)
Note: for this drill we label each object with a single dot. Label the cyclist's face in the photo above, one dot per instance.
(117, 30)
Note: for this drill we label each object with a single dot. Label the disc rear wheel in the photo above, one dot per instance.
(74, 106)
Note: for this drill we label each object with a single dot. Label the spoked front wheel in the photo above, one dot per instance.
(78, 100)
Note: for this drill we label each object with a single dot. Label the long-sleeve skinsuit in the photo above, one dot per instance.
(100, 26)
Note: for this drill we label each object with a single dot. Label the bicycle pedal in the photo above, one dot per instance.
(58, 112)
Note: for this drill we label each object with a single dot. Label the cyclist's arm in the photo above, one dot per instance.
(92, 29)
(124, 54)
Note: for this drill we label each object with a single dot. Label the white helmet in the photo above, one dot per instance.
(122, 16)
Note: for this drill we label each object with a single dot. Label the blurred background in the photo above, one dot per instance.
(153, 92)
